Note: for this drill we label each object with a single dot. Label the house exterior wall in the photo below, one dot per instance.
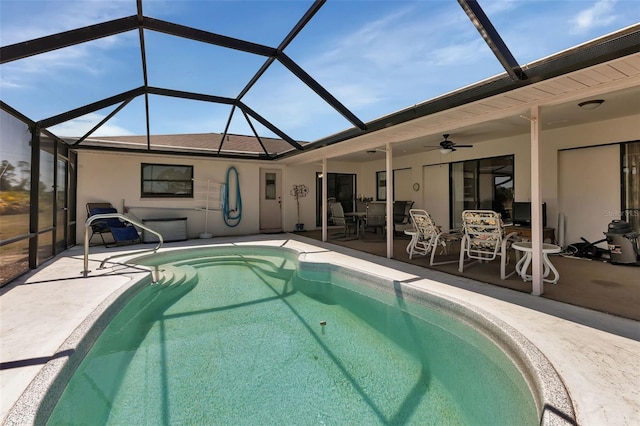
(552, 141)
(113, 177)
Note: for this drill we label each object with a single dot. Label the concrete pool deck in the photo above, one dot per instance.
(597, 355)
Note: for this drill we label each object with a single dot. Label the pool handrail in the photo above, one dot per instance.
(91, 219)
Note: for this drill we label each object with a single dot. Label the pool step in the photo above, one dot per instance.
(177, 275)
(265, 266)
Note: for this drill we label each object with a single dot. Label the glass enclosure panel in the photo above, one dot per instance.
(45, 247)
(14, 260)
(15, 184)
(46, 185)
(61, 205)
(15, 177)
(46, 197)
(71, 200)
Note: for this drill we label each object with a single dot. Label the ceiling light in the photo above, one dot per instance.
(593, 104)
(446, 150)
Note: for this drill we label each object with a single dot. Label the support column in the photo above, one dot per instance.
(389, 201)
(536, 205)
(324, 199)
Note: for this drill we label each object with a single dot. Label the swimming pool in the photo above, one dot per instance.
(299, 341)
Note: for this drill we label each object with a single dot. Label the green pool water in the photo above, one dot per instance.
(252, 342)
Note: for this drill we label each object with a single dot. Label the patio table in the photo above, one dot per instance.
(523, 264)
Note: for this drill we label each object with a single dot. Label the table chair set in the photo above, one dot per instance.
(482, 239)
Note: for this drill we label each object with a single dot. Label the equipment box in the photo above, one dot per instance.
(171, 229)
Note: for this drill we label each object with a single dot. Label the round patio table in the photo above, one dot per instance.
(523, 264)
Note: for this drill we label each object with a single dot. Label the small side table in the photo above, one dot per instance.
(523, 264)
(412, 244)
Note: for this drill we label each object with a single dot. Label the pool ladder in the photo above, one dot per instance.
(87, 225)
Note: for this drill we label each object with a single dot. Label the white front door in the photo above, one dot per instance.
(270, 200)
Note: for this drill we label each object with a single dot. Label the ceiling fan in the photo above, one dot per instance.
(447, 146)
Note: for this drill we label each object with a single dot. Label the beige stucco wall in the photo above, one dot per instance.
(115, 177)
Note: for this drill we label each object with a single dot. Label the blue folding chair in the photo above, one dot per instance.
(122, 232)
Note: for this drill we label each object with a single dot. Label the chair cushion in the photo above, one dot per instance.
(106, 223)
(125, 233)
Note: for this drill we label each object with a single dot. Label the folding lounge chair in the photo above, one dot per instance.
(120, 231)
(429, 237)
(484, 239)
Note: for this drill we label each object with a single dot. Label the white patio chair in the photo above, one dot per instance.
(429, 237)
(484, 239)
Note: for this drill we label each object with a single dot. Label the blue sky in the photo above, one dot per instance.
(376, 57)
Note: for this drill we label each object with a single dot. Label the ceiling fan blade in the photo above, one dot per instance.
(463, 146)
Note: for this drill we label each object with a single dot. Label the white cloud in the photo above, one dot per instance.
(80, 126)
(386, 64)
(56, 17)
(598, 15)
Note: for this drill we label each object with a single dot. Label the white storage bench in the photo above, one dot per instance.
(171, 229)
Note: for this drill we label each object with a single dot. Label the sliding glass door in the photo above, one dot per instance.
(484, 184)
(631, 184)
(341, 187)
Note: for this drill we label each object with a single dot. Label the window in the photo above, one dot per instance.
(270, 186)
(166, 180)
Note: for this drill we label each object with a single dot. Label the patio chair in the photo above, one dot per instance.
(376, 217)
(429, 237)
(338, 218)
(330, 201)
(484, 239)
(401, 216)
(120, 231)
